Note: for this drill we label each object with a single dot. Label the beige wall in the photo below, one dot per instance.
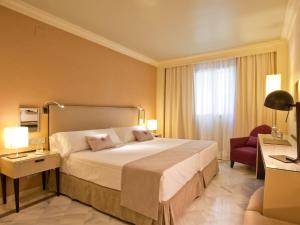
(278, 46)
(294, 68)
(39, 63)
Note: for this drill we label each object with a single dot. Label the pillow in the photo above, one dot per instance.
(66, 143)
(252, 141)
(126, 134)
(142, 135)
(100, 142)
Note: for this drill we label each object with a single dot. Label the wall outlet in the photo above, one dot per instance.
(37, 141)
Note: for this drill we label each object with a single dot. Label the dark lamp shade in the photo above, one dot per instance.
(279, 100)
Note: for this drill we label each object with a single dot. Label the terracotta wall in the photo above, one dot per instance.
(39, 63)
(294, 69)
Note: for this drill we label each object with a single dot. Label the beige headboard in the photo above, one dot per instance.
(81, 117)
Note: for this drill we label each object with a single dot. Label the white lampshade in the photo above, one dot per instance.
(273, 83)
(16, 137)
(152, 124)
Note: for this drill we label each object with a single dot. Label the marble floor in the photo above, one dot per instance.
(223, 203)
(26, 200)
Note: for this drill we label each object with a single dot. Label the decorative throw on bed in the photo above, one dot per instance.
(141, 178)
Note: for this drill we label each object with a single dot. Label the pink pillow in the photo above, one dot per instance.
(142, 135)
(252, 141)
(100, 142)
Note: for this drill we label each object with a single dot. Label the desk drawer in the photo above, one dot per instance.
(30, 166)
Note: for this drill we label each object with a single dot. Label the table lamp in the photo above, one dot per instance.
(16, 138)
(152, 125)
(283, 101)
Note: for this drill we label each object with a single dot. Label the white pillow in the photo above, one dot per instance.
(67, 142)
(126, 133)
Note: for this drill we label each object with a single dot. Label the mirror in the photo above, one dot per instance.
(29, 117)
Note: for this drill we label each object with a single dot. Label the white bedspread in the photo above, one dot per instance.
(105, 167)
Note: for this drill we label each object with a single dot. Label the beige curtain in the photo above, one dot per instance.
(179, 102)
(251, 87)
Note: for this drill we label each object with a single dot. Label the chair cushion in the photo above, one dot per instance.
(255, 218)
(256, 201)
(246, 155)
(252, 141)
(247, 150)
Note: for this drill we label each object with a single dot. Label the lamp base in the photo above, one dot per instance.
(16, 156)
(285, 158)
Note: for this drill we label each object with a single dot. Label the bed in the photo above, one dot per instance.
(115, 180)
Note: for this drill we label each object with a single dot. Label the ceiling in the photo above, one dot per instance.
(166, 29)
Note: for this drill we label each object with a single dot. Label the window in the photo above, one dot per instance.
(215, 85)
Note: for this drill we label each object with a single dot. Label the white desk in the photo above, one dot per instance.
(282, 181)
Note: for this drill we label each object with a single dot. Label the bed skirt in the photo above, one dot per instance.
(108, 200)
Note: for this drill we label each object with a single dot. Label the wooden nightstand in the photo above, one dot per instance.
(31, 164)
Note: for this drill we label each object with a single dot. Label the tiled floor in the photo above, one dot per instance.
(28, 199)
(223, 203)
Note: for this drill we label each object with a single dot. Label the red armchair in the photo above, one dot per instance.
(243, 150)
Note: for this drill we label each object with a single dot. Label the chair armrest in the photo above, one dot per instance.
(255, 218)
(256, 201)
(238, 142)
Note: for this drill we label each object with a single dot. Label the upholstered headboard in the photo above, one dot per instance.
(81, 117)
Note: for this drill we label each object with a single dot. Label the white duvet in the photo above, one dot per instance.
(105, 167)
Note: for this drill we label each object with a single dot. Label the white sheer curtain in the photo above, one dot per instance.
(215, 88)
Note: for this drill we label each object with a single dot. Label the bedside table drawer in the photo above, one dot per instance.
(30, 166)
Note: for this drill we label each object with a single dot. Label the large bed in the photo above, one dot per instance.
(102, 178)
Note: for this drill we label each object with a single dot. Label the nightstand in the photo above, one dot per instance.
(25, 166)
